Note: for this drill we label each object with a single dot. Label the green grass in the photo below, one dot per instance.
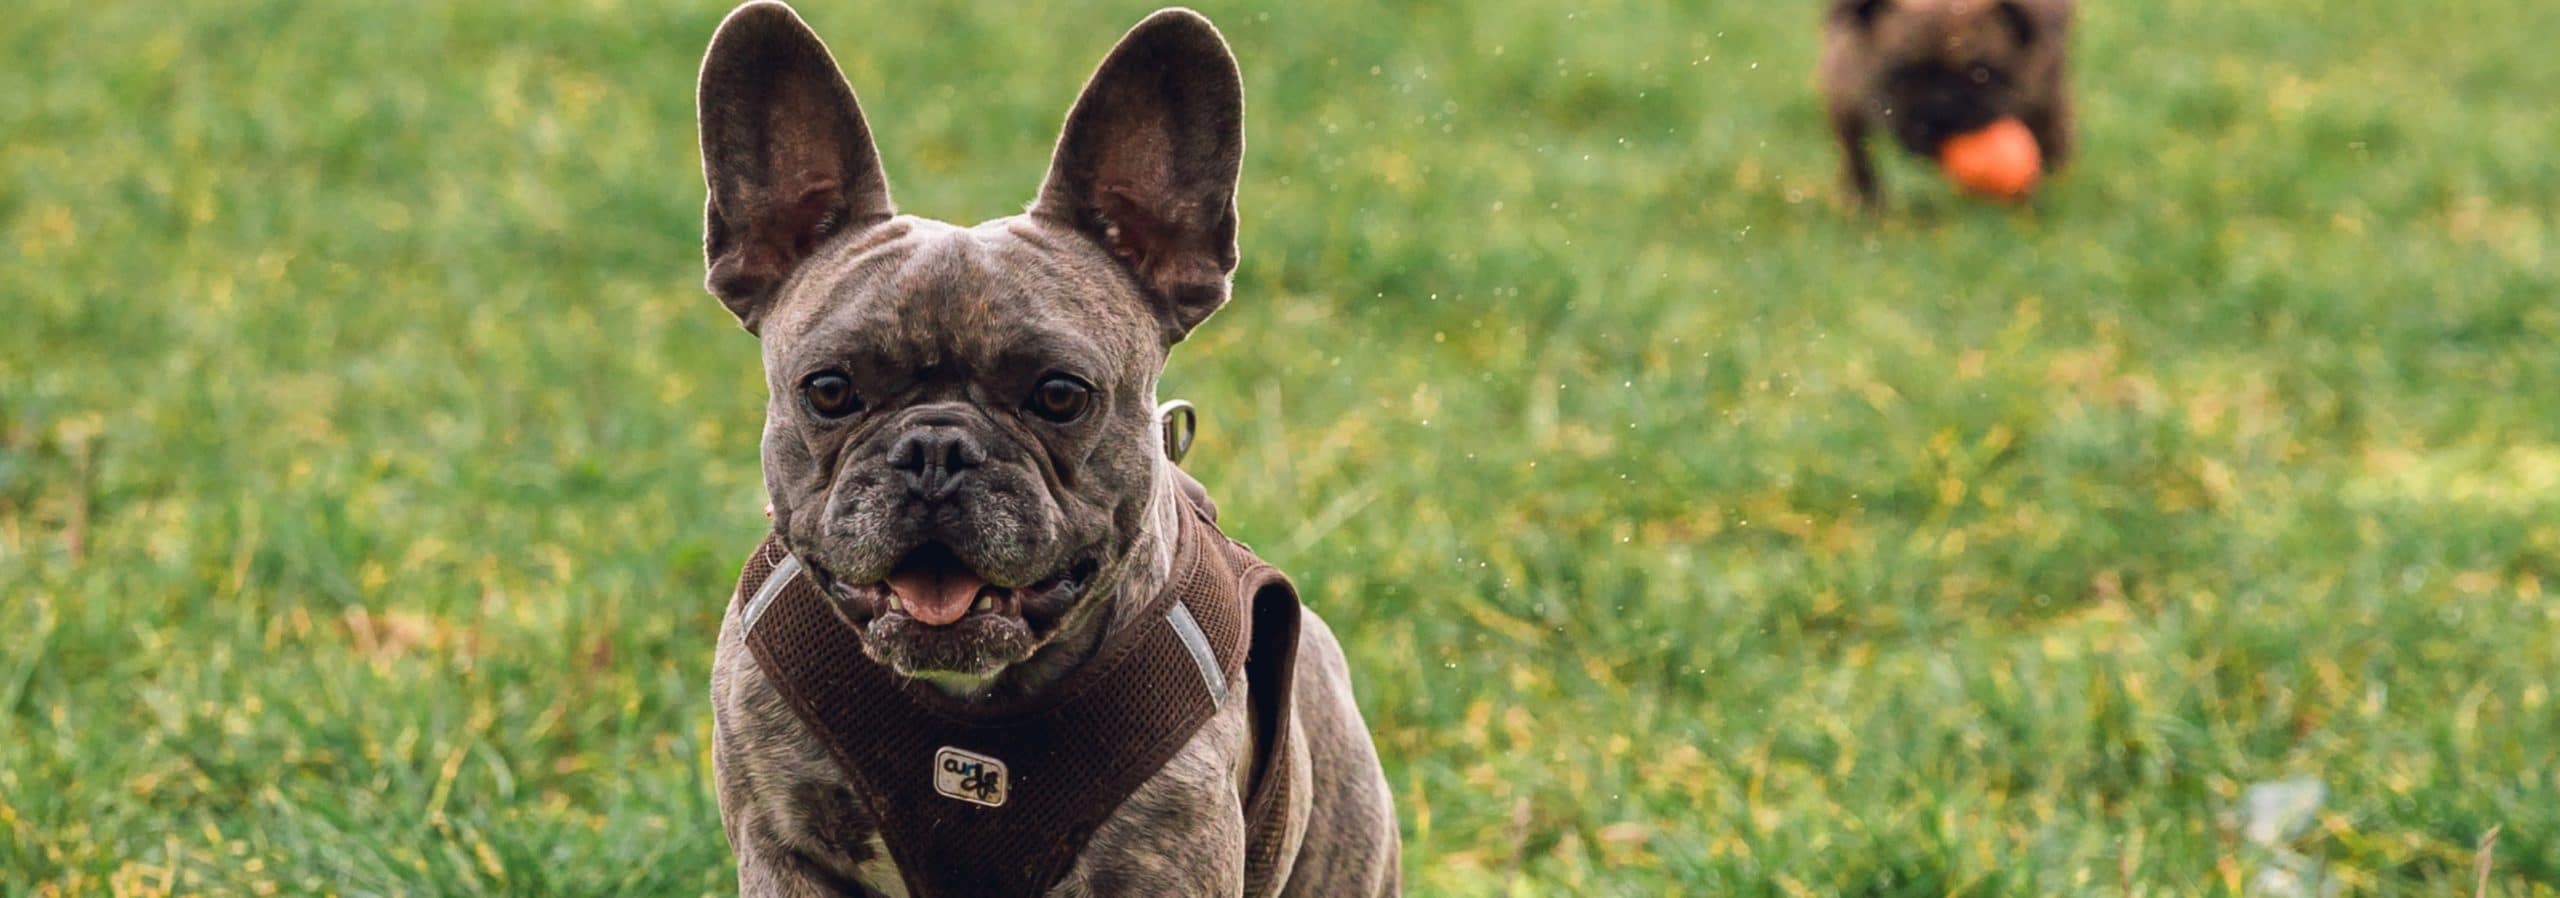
(373, 468)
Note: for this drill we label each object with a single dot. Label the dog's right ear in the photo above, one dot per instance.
(785, 154)
(1858, 13)
(1148, 161)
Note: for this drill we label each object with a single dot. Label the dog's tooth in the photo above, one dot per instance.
(985, 603)
(895, 604)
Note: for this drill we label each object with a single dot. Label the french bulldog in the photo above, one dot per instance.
(961, 447)
(1927, 70)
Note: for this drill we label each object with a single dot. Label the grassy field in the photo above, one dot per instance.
(373, 468)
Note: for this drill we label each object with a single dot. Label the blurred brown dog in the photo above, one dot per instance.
(1927, 70)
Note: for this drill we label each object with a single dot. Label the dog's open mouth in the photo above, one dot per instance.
(935, 614)
(932, 586)
(935, 588)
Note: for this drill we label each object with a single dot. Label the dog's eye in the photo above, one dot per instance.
(830, 395)
(1060, 398)
(1981, 74)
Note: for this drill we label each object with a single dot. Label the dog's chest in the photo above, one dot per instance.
(1006, 799)
(788, 803)
(800, 813)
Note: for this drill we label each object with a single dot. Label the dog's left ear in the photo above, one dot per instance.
(1148, 162)
(2020, 22)
(1859, 13)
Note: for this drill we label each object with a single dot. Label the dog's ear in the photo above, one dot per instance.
(785, 154)
(2015, 16)
(1858, 13)
(1148, 161)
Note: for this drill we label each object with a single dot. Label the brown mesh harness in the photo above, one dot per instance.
(1002, 805)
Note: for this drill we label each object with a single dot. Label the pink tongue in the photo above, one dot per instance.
(936, 598)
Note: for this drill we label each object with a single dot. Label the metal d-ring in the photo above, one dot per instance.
(1181, 425)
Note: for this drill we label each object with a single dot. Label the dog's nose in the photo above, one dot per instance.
(933, 457)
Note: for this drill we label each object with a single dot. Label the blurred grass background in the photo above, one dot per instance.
(373, 469)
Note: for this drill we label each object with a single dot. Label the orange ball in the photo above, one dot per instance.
(2000, 161)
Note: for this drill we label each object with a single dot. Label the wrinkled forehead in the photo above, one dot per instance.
(923, 294)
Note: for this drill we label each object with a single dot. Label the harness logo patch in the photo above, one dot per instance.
(970, 777)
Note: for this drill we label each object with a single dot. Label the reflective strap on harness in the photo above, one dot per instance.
(1198, 643)
(783, 572)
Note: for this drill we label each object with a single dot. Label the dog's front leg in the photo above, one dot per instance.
(1857, 174)
(789, 812)
(2051, 123)
(762, 875)
(1182, 833)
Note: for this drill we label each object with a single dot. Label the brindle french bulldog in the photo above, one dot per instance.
(961, 448)
(1927, 70)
